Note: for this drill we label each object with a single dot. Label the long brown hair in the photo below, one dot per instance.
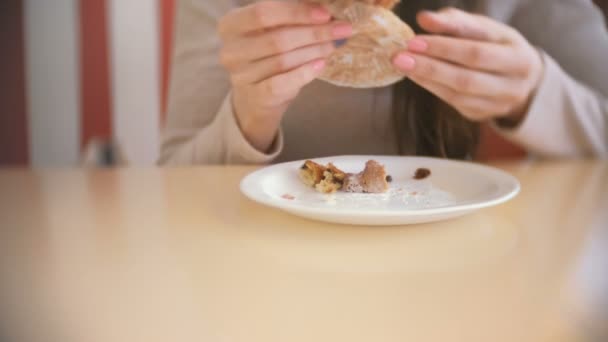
(427, 126)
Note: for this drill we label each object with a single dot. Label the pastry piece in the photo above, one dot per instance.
(371, 180)
(332, 181)
(311, 173)
(328, 184)
(342, 4)
(325, 179)
(365, 59)
(337, 174)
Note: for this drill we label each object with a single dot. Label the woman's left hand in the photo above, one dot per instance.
(483, 68)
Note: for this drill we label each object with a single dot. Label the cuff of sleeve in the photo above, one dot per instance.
(541, 115)
(239, 150)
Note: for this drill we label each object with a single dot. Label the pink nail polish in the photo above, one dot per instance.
(405, 62)
(320, 14)
(342, 31)
(318, 65)
(417, 45)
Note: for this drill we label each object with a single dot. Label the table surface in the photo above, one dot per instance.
(180, 254)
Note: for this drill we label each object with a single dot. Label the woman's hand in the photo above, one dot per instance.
(483, 68)
(272, 49)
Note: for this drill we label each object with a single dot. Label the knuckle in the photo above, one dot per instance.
(320, 34)
(498, 109)
(469, 114)
(512, 32)
(519, 95)
(474, 54)
(473, 113)
(476, 116)
(226, 59)
(504, 108)
(327, 49)
(282, 62)
(526, 67)
(304, 76)
(464, 82)
(450, 96)
(278, 42)
(274, 87)
(441, 49)
(262, 13)
(527, 64)
(237, 79)
(429, 69)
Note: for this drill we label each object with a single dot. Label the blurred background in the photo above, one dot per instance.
(76, 75)
(84, 81)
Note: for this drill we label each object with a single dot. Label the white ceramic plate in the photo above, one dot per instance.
(454, 188)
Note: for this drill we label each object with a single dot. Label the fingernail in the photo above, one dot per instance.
(318, 65)
(342, 31)
(405, 62)
(320, 14)
(417, 45)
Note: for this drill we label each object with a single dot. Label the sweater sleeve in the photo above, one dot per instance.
(201, 127)
(568, 116)
(565, 119)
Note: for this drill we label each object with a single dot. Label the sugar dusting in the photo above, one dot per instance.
(347, 59)
(380, 20)
(408, 195)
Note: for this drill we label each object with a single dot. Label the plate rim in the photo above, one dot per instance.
(249, 192)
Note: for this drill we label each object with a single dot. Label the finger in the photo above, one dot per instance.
(455, 77)
(484, 56)
(280, 41)
(457, 23)
(269, 14)
(271, 66)
(473, 107)
(284, 87)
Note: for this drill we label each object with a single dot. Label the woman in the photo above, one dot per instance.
(243, 84)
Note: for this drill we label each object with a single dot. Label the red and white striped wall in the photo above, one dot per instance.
(74, 70)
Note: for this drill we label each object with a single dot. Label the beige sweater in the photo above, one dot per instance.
(568, 117)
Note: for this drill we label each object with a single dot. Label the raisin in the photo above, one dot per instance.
(422, 173)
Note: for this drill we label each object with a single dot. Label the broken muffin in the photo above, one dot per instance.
(329, 179)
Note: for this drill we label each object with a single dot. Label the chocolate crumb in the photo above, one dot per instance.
(389, 178)
(422, 173)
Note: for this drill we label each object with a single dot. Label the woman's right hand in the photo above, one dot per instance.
(272, 49)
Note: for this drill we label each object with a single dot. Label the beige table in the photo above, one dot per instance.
(165, 255)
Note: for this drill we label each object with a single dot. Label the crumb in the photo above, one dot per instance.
(389, 179)
(288, 197)
(414, 193)
(422, 173)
